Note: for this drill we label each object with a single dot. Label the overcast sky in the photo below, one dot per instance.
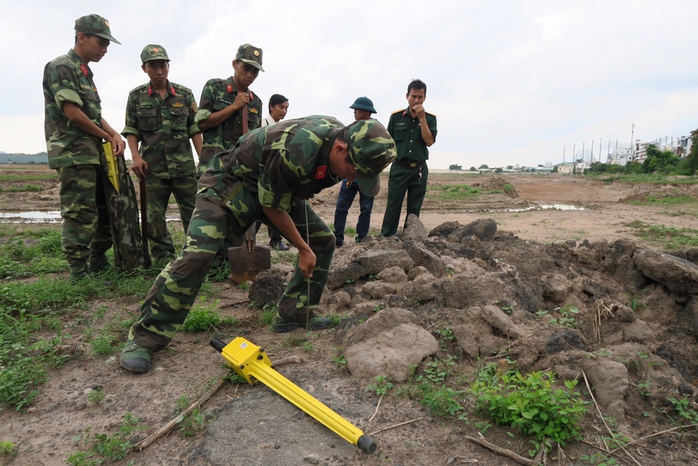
(511, 82)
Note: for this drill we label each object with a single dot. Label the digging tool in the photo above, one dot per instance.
(251, 363)
(248, 260)
(147, 262)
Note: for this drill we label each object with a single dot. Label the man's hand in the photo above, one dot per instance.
(419, 111)
(306, 262)
(242, 99)
(139, 167)
(118, 145)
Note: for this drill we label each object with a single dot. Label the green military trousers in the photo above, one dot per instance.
(412, 181)
(85, 233)
(158, 192)
(172, 295)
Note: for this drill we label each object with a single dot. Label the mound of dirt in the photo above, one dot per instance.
(497, 183)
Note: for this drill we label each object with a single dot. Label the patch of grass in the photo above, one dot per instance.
(103, 345)
(457, 192)
(194, 422)
(204, 316)
(8, 448)
(26, 188)
(665, 200)
(28, 177)
(96, 396)
(283, 257)
(104, 447)
(530, 403)
(668, 238)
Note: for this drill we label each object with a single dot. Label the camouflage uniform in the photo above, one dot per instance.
(409, 173)
(164, 127)
(278, 166)
(75, 155)
(218, 94)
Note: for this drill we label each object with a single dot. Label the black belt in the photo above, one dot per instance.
(409, 163)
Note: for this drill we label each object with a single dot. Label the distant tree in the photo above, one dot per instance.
(658, 161)
(455, 167)
(510, 167)
(540, 165)
(483, 167)
(473, 169)
(498, 170)
(689, 165)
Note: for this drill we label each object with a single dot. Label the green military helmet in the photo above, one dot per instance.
(154, 52)
(96, 26)
(363, 103)
(371, 150)
(251, 55)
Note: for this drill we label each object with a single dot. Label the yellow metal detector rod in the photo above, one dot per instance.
(250, 362)
(112, 167)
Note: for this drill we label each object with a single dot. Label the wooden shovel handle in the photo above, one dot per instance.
(244, 120)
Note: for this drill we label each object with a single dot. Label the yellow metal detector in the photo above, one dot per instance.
(250, 362)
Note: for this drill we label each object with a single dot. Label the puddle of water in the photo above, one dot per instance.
(53, 216)
(535, 207)
(30, 217)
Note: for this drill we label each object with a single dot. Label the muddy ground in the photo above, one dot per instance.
(251, 425)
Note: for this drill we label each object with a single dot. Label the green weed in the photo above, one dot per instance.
(203, 316)
(103, 345)
(8, 448)
(381, 385)
(192, 423)
(530, 403)
(105, 447)
(96, 396)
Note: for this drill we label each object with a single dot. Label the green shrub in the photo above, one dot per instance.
(530, 403)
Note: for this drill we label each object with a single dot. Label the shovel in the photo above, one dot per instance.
(248, 260)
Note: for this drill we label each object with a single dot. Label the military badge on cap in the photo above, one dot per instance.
(95, 25)
(251, 55)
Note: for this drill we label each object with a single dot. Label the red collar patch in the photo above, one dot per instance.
(229, 88)
(84, 69)
(321, 172)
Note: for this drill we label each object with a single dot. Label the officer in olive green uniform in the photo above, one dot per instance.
(414, 130)
(160, 115)
(267, 176)
(75, 129)
(222, 101)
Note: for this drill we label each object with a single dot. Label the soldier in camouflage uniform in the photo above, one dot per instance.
(160, 114)
(220, 116)
(75, 129)
(268, 176)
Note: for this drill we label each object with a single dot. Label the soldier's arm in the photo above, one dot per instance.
(216, 118)
(78, 118)
(140, 166)
(283, 222)
(427, 137)
(198, 143)
(117, 143)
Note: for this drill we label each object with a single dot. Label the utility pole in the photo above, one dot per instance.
(583, 151)
(563, 153)
(591, 158)
(574, 153)
(608, 151)
(632, 141)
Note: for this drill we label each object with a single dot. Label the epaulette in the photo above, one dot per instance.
(429, 113)
(139, 88)
(179, 86)
(398, 111)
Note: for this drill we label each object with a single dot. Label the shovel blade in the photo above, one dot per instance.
(245, 265)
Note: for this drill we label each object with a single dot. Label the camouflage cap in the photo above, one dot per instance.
(154, 52)
(371, 150)
(96, 26)
(251, 55)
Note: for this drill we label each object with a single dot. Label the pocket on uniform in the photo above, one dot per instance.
(179, 118)
(399, 133)
(148, 119)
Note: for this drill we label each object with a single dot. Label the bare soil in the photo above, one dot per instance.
(252, 425)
